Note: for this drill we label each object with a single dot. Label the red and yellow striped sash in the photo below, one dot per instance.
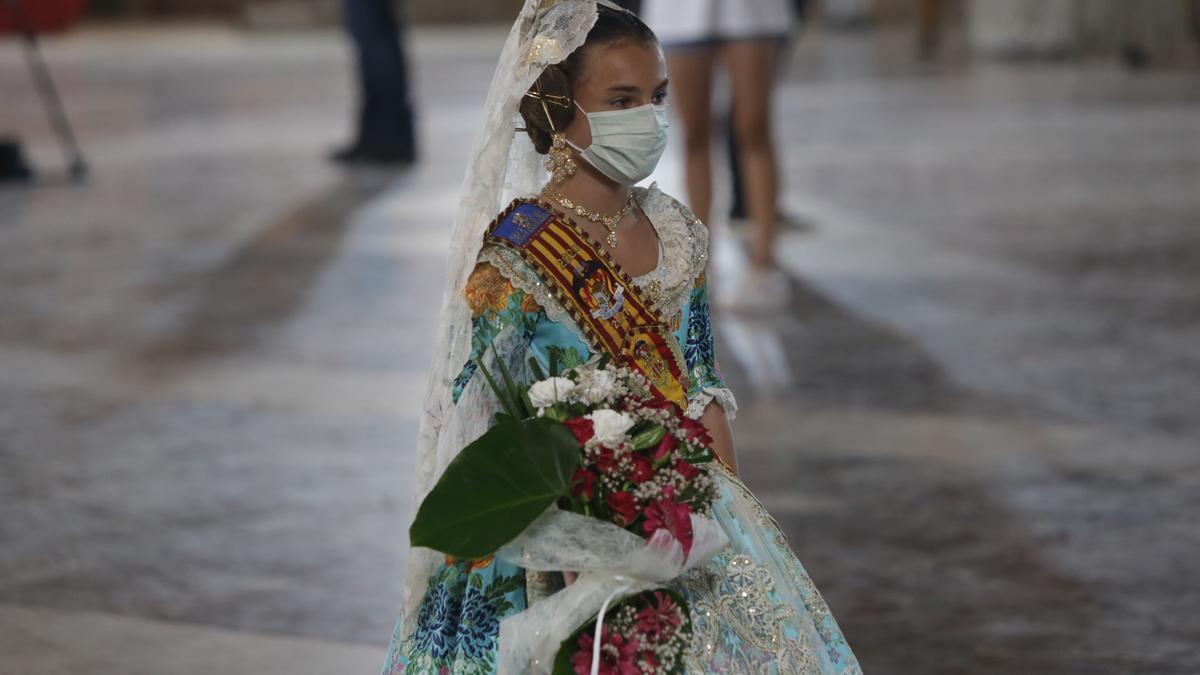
(604, 302)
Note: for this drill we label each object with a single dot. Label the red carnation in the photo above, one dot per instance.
(659, 619)
(583, 483)
(673, 517)
(687, 470)
(665, 447)
(695, 432)
(606, 460)
(643, 469)
(582, 427)
(624, 506)
(618, 661)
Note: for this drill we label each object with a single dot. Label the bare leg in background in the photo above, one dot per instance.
(752, 66)
(691, 70)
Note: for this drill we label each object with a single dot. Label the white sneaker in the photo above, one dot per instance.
(761, 291)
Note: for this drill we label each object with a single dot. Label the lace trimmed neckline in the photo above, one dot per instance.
(682, 243)
(639, 196)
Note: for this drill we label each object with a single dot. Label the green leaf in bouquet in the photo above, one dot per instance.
(647, 438)
(530, 409)
(536, 369)
(564, 359)
(506, 402)
(496, 487)
(699, 456)
(556, 412)
(517, 394)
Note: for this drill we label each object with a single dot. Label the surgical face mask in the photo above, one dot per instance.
(626, 144)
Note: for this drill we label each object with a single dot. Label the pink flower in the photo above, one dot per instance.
(624, 662)
(624, 506)
(643, 469)
(672, 517)
(582, 428)
(583, 484)
(660, 619)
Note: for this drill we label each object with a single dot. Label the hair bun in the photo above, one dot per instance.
(546, 109)
(549, 105)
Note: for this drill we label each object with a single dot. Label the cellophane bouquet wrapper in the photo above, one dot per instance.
(612, 562)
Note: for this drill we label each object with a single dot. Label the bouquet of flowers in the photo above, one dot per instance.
(645, 633)
(585, 471)
(639, 457)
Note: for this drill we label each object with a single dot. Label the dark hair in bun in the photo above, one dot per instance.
(612, 26)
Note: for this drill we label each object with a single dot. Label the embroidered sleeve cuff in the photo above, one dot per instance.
(721, 395)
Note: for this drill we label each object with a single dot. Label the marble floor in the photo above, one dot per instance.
(977, 424)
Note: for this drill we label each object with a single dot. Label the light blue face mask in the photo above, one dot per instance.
(626, 144)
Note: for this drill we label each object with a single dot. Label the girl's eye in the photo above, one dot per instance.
(659, 98)
(620, 102)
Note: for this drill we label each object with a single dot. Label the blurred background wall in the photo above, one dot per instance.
(418, 10)
(317, 11)
(1005, 28)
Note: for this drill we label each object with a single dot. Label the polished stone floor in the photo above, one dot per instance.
(978, 424)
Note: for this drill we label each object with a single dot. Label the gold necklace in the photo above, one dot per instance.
(609, 222)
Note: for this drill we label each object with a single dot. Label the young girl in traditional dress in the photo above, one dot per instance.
(583, 264)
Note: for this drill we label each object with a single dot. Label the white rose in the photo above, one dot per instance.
(547, 392)
(610, 426)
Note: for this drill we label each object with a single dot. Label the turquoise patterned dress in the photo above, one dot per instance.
(754, 608)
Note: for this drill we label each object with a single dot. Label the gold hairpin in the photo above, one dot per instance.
(562, 101)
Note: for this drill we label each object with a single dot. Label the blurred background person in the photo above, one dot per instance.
(386, 133)
(929, 27)
(737, 203)
(849, 13)
(1138, 32)
(748, 36)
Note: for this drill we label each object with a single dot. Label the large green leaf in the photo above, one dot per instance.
(496, 487)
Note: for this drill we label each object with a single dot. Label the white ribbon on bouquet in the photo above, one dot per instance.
(613, 563)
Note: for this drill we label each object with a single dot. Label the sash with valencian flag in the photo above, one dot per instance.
(602, 299)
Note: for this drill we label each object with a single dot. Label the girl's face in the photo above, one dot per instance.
(617, 76)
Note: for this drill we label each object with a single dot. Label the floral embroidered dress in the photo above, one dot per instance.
(754, 608)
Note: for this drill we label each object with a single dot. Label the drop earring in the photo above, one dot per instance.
(559, 162)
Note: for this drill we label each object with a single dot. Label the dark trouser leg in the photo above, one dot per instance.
(385, 114)
(737, 205)
(929, 28)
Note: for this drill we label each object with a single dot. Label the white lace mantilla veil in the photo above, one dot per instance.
(545, 33)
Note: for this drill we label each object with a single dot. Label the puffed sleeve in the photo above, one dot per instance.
(499, 311)
(705, 381)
